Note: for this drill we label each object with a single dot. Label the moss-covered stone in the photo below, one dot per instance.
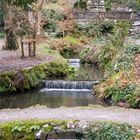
(26, 130)
(31, 77)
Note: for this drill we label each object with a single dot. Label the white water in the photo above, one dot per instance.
(74, 62)
(69, 85)
(56, 89)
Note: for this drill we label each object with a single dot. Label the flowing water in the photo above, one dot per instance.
(57, 93)
(87, 72)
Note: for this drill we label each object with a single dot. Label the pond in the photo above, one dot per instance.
(52, 99)
(57, 93)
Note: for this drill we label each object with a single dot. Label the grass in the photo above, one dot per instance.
(26, 130)
(98, 41)
(72, 40)
(45, 49)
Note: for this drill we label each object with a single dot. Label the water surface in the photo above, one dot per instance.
(87, 72)
(59, 93)
(52, 99)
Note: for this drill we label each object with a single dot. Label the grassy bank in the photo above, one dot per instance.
(116, 57)
(25, 78)
(31, 77)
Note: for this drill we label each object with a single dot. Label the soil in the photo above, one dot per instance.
(11, 60)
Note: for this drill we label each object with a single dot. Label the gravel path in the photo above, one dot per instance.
(84, 114)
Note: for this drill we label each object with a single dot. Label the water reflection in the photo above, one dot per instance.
(89, 72)
(52, 99)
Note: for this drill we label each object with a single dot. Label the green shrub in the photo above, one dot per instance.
(53, 17)
(110, 131)
(89, 29)
(67, 53)
(72, 73)
(108, 5)
(117, 58)
(80, 4)
(1, 34)
(26, 79)
(122, 62)
(116, 94)
(132, 49)
(57, 69)
(134, 99)
(106, 27)
(25, 130)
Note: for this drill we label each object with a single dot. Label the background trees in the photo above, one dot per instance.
(8, 9)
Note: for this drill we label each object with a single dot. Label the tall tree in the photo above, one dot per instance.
(7, 6)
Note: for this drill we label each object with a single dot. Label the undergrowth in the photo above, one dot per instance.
(27, 130)
(116, 58)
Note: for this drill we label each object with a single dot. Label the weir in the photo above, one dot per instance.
(56, 93)
(74, 62)
(68, 85)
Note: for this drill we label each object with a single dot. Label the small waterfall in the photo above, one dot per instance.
(62, 85)
(69, 85)
(74, 62)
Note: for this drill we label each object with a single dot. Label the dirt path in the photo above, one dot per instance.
(85, 114)
(11, 60)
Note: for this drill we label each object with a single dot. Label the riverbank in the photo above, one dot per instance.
(18, 74)
(120, 65)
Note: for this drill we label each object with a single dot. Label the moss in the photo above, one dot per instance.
(68, 53)
(7, 83)
(31, 77)
(25, 130)
(57, 69)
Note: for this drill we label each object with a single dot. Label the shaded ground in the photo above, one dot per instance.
(85, 114)
(10, 60)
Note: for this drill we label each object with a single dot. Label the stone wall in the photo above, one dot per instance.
(104, 15)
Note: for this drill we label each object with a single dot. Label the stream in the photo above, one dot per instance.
(57, 93)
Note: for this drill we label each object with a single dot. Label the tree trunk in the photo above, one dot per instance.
(11, 39)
